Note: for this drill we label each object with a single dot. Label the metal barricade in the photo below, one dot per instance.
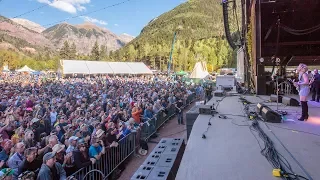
(115, 156)
(110, 160)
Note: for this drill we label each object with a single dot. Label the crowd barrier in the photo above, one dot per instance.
(128, 145)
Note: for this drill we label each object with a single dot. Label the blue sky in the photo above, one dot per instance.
(129, 17)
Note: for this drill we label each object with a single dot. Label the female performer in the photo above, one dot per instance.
(303, 86)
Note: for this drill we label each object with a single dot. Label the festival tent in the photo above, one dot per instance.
(101, 67)
(25, 69)
(5, 69)
(199, 71)
(139, 68)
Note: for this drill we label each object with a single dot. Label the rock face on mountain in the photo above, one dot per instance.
(29, 24)
(84, 36)
(126, 37)
(20, 36)
(24, 34)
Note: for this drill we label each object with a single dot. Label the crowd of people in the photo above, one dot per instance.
(50, 128)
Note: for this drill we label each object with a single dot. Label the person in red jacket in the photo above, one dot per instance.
(136, 112)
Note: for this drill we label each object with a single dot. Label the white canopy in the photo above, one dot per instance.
(25, 69)
(199, 71)
(100, 67)
(5, 69)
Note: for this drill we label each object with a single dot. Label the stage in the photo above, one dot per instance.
(231, 151)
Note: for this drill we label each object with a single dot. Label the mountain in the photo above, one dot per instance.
(29, 24)
(24, 35)
(126, 37)
(84, 36)
(21, 37)
(200, 38)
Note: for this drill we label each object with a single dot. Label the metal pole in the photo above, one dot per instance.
(172, 47)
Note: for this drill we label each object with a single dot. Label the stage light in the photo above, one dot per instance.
(261, 60)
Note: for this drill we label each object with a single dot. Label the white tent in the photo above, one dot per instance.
(199, 71)
(101, 67)
(25, 69)
(5, 69)
(139, 68)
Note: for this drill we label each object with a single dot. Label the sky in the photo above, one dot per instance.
(129, 17)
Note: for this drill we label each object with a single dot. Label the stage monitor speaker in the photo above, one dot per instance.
(269, 115)
(273, 98)
(259, 108)
(205, 109)
(290, 101)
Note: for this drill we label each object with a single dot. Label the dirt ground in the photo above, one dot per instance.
(171, 129)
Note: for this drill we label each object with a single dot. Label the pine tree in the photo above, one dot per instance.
(95, 52)
(103, 52)
(73, 51)
(65, 51)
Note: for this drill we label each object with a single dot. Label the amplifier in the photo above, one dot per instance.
(270, 116)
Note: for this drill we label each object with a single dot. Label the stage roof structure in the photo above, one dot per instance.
(288, 29)
(101, 67)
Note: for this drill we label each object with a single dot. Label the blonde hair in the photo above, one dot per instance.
(303, 67)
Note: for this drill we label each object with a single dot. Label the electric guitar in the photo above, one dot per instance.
(295, 84)
(311, 81)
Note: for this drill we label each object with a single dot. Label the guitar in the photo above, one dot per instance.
(295, 84)
(311, 81)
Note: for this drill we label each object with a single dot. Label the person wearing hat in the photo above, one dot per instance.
(80, 154)
(97, 148)
(50, 169)
(72, 144)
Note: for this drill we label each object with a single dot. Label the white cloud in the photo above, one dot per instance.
(70, 6)
(116, 24)
(93, 20)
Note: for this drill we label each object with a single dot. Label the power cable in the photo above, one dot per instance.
(277, 161)
(205, 132)
(301, 167)
(28, 12)
(76, 16)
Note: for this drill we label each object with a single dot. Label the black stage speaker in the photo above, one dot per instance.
(205, 109)
(261, 87)
(273, 98)
(290, 101)
(259, 108)
(269, 115)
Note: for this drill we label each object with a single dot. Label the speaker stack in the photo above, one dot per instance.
(268, 114)
(163, 162)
